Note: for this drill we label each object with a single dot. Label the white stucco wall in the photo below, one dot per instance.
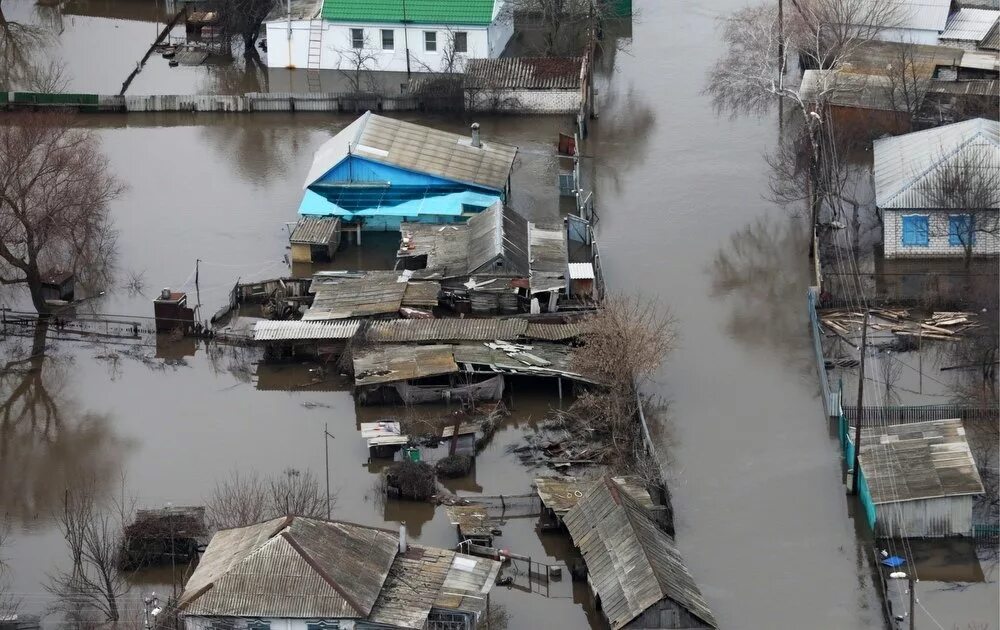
(337, 50)
(204, 623)
(909, 36)
(529, 101)
(938, 246)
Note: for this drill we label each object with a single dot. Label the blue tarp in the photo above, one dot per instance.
(398, 205)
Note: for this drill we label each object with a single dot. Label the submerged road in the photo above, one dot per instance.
(762, 516)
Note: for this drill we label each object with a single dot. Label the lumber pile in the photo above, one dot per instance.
(941, 325)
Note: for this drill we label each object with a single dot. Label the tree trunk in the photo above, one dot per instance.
(34, 281)
(249, 44)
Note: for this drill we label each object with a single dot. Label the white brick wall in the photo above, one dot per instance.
(892, 234)
(526, 101)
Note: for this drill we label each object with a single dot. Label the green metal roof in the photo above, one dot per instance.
(466, 12)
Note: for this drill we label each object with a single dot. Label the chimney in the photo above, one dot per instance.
(165, 294)
(402, 537)
(475, 135)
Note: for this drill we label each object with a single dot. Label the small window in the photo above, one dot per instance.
(961, 231)
(461, 42)
(257, 624)
(388, 39)
(357, 38)
(322, 625)
(430, 41)
(915, 231)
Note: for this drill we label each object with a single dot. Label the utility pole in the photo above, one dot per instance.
(326, 450)
(861, 406)
(406, 44)
(911, 583)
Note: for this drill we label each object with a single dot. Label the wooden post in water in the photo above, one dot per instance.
(326, 453)
(861, 407)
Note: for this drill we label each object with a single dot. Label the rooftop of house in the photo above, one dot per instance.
(561, 494)
(924, 15)
(458, 12)
(873, 57)
(524, 73)
(416, 148)
(970, 24)
(297, 567)
(314, 231)
(920, 460)
(345, 295)
(633, 564)
(907, 166)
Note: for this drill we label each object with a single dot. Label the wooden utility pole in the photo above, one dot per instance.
(911, 583)
(326, 453)
(861, 407)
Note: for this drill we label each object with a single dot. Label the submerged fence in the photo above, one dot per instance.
(831, 401)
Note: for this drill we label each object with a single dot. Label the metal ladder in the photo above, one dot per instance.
(315, 55)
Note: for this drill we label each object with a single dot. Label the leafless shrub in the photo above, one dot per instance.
(8, 603)
(358, 65)
(412, 480)
(246, 498)
(135, 283)
(47, 79)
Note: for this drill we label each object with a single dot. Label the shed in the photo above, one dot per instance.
(870, 101)
(315, 239)
(345, 295)
(172, 312)
(561, 494)
(921, 479)
(163, 535)
(541, 85)
(966, 28)
(472, 523)
(634, 567)
(384, 438)
(498, 243)
(58, 285)
(581, 280)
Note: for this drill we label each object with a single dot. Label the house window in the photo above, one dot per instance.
(915, 231)
(461, 42)
(388, 39)
(357, 38)
(257, 624)
(961, 230)
(430, 41)
(322, 625)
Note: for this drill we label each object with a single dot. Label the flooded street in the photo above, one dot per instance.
(761, 514)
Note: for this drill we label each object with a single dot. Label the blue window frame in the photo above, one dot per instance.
(961, 230)
(916, 230)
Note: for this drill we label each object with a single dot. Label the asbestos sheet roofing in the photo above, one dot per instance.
(921, 460)
(970, 24)
(304, 330)
(524, 73)
(498, 241)
(923, 15)
(414, 582)
(406, 330)
(418, 149)
(844, 89)
(632, 563)
(991, 41)
(356, 295)
(553, 332)
(468, 583)
(560, 494)
(459, 12)
(392, 363)
(907, 167)
(291, 567)
(314, 231)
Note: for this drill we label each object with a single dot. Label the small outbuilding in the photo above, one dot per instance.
(315, 239)
(58, 285)
(919, 479)
(537, 85)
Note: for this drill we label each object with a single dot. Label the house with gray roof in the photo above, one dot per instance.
(633, 566)
(297, 573)
(937, 190)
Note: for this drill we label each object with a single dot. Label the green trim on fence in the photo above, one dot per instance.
(864, 493)
(88, 101)
(3, 97)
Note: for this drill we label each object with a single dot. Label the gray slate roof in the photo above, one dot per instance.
(314, 230)
(920, 460)
(417, 148)
(905, 166)
(291, 567)
(524, 73)
(970, 24)
(633, 564)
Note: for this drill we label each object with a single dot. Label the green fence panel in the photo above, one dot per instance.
(83, 101)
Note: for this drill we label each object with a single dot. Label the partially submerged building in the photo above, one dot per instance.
(380, 294)
(537, 85)
(912, 174)
(633, 566)
(314, 239)
(300, 573)
(559, 495)
(919, 479)
(379, 172)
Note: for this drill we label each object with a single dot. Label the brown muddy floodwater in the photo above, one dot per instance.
(761, 514)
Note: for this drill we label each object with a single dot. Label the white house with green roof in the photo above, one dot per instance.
(386, 35)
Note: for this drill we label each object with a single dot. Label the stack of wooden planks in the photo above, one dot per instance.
(941, 325)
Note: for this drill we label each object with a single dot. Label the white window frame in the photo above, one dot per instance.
(426, 41)
(354, 43)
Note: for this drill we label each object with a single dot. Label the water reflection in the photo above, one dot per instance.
(46, 442)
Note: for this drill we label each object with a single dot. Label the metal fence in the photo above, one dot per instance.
(924, 413)
(831, 400)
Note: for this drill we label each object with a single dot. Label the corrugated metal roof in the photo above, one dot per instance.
(301, 330)
(581, 271)
(524, 73)
(291, 567)
(342, 296)
(970, 24)
(991, 41)
(498, 242)
(873, 57)
(924, 15)
(560, 494)
(419, 149)
(905, 166)
(960, 88)
(467, 584)
(392, 363)
(406, 330)
(458, 12)
(553, 332)
(314, 230)
(633, 564)
(920, 460)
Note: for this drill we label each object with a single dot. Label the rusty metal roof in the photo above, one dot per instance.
(291, 567)
(633, 564)
(301, 330)
(525, 73)
(404, 330)
(314, 230)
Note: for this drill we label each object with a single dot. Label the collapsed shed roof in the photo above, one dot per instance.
(416, 148)
(633, 564)
(343, 295)
(920, 460)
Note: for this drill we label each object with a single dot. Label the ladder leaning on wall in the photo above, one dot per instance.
(315, 54)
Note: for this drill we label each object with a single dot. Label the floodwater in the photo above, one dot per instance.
(761, 514)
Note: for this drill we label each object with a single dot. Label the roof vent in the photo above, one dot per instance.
(475, 135)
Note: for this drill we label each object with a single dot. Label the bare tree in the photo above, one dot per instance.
(19, 43)
(94, 532)
(566, 27)
(8, 603)
(908, 80)
(248, 498)
(49, 78)
(357, 65)
(243, 19)
(968, 183)
(54, 198)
